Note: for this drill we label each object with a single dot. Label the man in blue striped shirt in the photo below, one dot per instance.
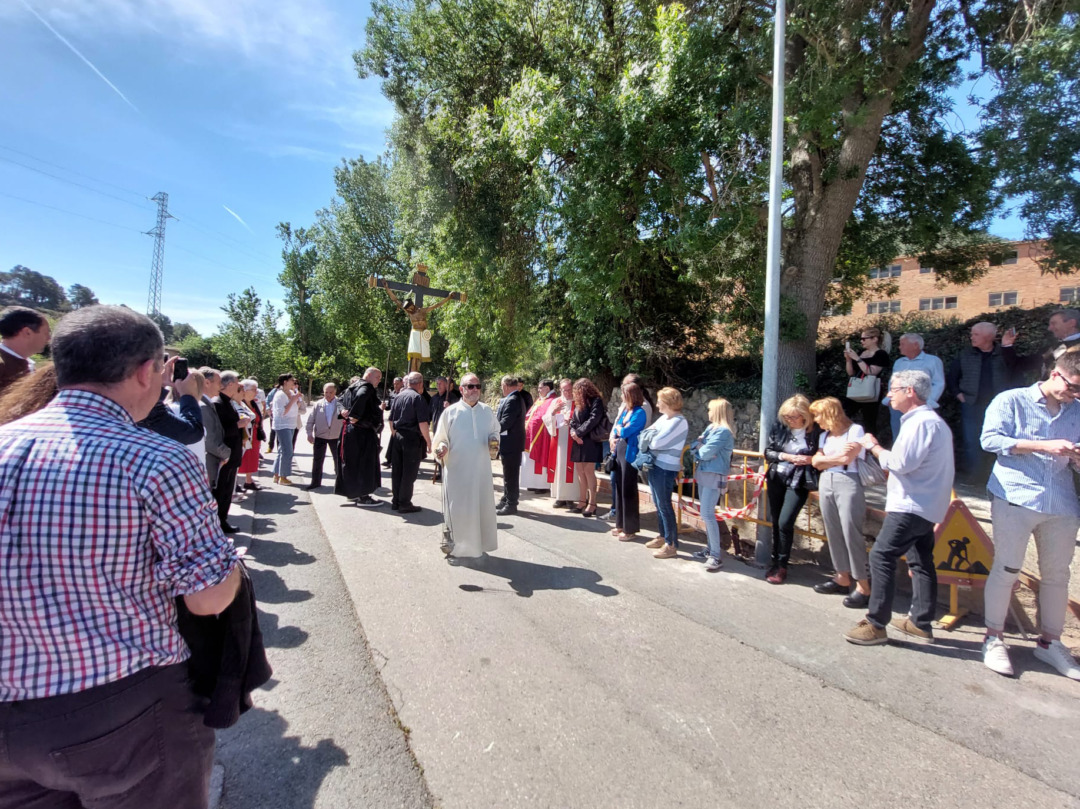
(1033, 431)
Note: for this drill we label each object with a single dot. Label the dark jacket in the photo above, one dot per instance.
(797, 477)
(11, 368)
(965, 370)
(362, 403)
(228, 660)
(187, 427)
(511, 416)
(230, 429)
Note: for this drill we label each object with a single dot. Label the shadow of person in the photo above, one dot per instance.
(278, 554)
(266, 767)
(280, 637)
(270, 588)
(272, 501)
(525, 578)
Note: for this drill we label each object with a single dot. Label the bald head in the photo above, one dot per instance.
(470, 389)
(373, 375)
(414, 380)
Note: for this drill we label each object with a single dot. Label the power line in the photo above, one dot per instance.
(72, 182)
(218, 263)
(225, 239)
(69, 213)
(138, 194)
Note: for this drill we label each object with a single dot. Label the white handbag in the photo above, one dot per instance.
(864, 389)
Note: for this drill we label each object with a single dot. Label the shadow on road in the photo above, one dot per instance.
(525, 578)
(275, 769)
(270, 588)
(280, 637)
(278, 554)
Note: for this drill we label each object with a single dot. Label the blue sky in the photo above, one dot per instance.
(240, 103)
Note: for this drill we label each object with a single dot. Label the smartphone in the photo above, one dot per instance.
(847, 345)
(180, 369)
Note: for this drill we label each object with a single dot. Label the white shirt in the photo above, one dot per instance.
(834, 445)
(29, 362)
(929, 364)
(920, 464)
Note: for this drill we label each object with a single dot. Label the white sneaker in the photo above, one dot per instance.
(996, 656)
(1059, 656)
(713, 564)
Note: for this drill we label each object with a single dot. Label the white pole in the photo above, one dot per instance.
(771, 354)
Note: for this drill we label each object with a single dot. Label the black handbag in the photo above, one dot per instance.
(601, 431)
(609, 464)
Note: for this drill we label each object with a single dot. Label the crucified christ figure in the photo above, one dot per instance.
(419, 337)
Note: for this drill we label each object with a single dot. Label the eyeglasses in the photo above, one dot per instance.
(470, 387)
(901, 387)
(866, 337)
(1072, 386)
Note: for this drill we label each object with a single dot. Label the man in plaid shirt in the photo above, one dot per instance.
(102, 525)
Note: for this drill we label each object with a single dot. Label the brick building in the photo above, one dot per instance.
(1013, 280)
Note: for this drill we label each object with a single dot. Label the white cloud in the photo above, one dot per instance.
(306, 33)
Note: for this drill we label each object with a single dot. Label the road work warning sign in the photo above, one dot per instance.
(963, 553)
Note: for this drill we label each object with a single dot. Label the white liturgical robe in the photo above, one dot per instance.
(467, 489)
(565, 485)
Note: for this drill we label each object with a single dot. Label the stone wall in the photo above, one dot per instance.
(696, 411)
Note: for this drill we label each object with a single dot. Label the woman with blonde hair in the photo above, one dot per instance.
(842, 501)
(667, 444)
(871, 360)
(712, 451)
(791, 477)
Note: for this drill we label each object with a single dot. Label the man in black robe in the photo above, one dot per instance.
(360, 473)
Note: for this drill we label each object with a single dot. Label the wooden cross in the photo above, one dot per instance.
(415, 309)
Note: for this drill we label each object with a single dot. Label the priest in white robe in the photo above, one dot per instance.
(564, 487)
(462, 445)
(534, 460)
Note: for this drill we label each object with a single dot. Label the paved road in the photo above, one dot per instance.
(573, 670)
(324, 733)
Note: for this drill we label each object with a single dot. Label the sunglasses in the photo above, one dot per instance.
(1072, 386)
(864, 337)
(470, 387)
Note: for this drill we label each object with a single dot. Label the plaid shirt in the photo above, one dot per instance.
(102, 524)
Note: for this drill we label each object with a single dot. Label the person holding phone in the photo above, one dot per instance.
(185, 425)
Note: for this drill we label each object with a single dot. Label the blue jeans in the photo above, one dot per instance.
(283, 460)
(708, 499)
(661, 485)
(974, 460)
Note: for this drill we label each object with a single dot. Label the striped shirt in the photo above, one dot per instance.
(102, 524)
(1034, 480)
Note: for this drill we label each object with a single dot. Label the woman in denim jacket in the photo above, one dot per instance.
(624, 443)
(793, 440)
(712, 451)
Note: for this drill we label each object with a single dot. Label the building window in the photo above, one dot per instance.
(1007, 257)
(892, 271)
(925, 270)
(929, 304)
(1003, 299)
(882, 307)
(1069, 294)
(840, 310)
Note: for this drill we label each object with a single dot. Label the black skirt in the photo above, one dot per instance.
(588, 451)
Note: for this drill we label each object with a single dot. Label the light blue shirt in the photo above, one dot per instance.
(929, 364)
(920, 466)
(1035, 480)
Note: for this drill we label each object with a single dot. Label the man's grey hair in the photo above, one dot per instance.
(470, 375)
(329, 385)
(228, 377)
(918, 381)
(368, 373)
(985, 326)
(414, 378)
(103, 345)
(914, 337)
(210, 373)
(509, 380)
(249, 384)
(1068, 314)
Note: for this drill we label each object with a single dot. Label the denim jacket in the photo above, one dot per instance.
(713, 449)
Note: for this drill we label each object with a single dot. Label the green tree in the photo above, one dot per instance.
(26, 287)
(199, 351)
(250, 341)
(182, 331)
(166, 326)
(81, 296)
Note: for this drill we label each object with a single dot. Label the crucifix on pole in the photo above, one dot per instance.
(420, 336)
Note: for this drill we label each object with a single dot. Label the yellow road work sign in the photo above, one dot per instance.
(963, 553)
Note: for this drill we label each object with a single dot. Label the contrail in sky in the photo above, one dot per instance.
(236, 216)
(75, 51)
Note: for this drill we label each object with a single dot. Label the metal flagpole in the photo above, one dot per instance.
(771, 353)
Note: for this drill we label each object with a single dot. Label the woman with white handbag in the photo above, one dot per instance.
(866, 369)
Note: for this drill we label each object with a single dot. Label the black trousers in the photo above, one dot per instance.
(406, 452)
(784, 507)
(270, 441)
(318, 457)
(511, 466)
(624, 490)
(223, 492)
(901, 533)
(134, 743)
